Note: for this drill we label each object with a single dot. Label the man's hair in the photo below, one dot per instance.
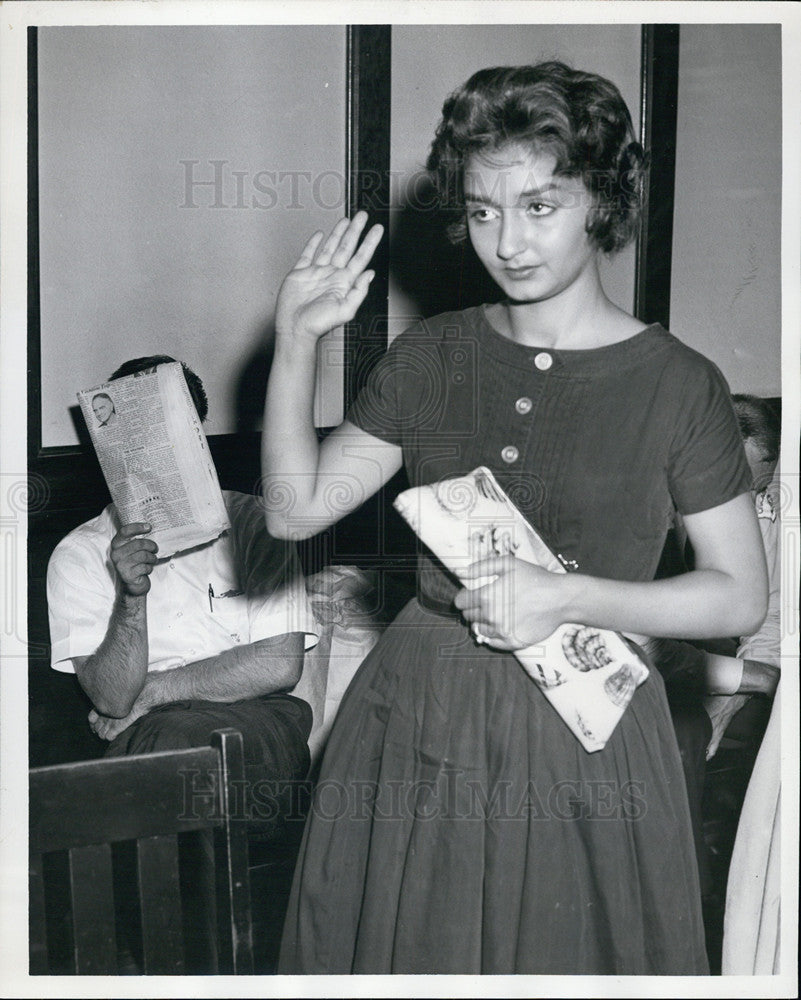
(102, 395)
(196, 390)
(579, 118)
(759, 422)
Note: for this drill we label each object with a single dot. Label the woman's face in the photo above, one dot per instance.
(526, 225)
(103, 409)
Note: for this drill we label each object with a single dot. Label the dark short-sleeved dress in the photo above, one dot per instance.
(458, 825)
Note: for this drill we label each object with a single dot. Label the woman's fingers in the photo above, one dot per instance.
(362, 257)
(482, 621)
(332, 244)
(330, 280)
(491, 566)
(340, 248)
(468, 602)
(307, 256)
(357, 292)
(349, 240)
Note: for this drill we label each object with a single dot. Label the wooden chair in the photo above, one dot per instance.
(157, 801)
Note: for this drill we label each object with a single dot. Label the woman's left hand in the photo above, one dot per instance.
(523, 606)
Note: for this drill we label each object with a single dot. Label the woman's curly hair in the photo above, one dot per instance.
(579, 118)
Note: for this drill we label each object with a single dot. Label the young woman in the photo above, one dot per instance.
(459, 826)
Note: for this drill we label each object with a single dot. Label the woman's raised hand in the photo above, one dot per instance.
(329, 282)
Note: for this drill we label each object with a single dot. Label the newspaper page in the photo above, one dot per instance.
(589, 675)
(155, 457)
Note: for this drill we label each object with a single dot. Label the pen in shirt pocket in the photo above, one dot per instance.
(211, 596)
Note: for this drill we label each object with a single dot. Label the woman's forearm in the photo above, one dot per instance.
(696, 605)
(290, 449)
(310, 485)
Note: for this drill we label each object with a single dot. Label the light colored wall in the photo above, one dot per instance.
(726, 287)
(430, 61)
(127, 268)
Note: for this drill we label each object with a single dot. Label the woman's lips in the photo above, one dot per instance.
(521, 273)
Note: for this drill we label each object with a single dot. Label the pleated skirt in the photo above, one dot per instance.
(458, 826)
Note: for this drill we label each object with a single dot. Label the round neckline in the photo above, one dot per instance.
(631, 348)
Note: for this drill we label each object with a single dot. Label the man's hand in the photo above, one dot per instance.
(721, 710)
(108, 728)
(133, 558)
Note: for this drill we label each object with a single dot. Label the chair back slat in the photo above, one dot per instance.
(37, 925)
(93, 928)
(160, 904)
(235, 928)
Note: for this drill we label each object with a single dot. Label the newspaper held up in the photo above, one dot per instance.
(589, 675)
(155, 457)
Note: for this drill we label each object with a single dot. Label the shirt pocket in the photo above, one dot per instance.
(229, 611)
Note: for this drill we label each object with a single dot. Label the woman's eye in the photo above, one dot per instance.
(539, 208)
(482, 214)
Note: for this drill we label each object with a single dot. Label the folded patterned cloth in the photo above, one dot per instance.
(588, 674)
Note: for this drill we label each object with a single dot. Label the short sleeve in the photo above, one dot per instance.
(707, 464)
(377, 408)
(406, 389)
(80, 598)
(285, 607)
(270, 576)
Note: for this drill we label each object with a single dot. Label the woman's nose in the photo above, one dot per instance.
(511, 239)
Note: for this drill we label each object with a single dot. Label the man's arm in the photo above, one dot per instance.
(258, 668)
(114, 675)
(727, 681)
(248, 671)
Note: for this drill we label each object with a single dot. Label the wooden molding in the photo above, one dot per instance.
(659, 104)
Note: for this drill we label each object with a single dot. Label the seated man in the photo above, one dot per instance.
(169, 650)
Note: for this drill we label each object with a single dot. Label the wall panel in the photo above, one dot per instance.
(726, 281)
(181, 170)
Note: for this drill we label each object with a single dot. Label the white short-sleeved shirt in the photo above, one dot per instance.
(240, 588)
